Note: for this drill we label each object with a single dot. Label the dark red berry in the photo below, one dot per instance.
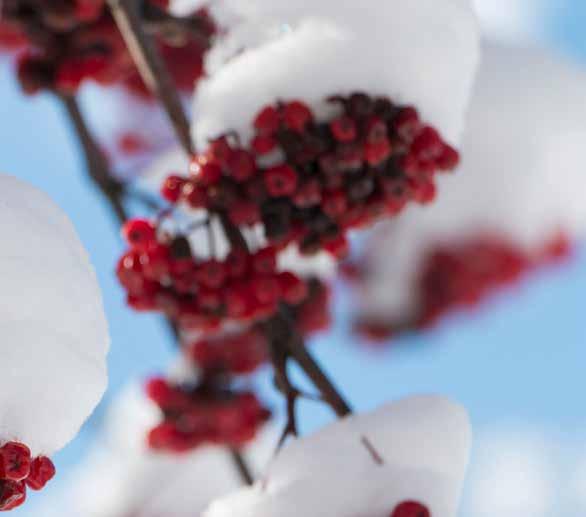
(344, 129)
(267, 121)
(281, 181)
(172, 188)
(297, 115)
(410, 509)
(139, 233)
(12, 494)
(42, 471)
(207, 171)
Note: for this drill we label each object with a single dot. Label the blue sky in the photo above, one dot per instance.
(519, 362)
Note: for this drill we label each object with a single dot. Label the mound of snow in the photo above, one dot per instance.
(423, 443)
(421, 52)
(54, 331)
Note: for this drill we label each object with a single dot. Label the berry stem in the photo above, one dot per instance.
(151, 66)
(96, 162)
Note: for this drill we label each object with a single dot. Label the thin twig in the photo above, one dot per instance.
(96, 163)
(241, 466)
(151, 66)
(312, 369)
(378, 459)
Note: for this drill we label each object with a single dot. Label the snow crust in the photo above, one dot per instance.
(424, 443)
(54, 330)
(421, 52)
(523, 174)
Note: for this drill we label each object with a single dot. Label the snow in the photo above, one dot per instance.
(310, 50)
(424, 442)
(522, 175)
(140, 483)
(54, 331)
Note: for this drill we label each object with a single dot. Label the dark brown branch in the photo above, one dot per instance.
(321, 381)
(151, 66)
(96, 163)
(241, 466)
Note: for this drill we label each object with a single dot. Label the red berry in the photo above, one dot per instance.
(267, 121)
(238, 301)
(293, 289)
(308, 194)
(15, 461)
(262, 145)
(220, 151)
(211, 274)
(407, 123)
(427, 145)
(244, 212)
(297, 115)
(281, 181)
(171, 189)
(205, 170)
(334, 203)
(194, 195)
(377, 152)
(12, 494)
(237, 263)
(265, 260)
(376, 130)
(449, 159)
(241, 165)
(410, 509)
(210, 300)
(266, 289)
(139, 233)
(42, 471)
(338, 247)
(344, 129)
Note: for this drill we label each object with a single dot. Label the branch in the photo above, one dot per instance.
(151, 66)
(298, 351)
(241, 466)
(96, 163)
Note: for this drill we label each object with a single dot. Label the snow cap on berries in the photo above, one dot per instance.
(414, 451)
(54, 330)
(421, 52)
(522, 179)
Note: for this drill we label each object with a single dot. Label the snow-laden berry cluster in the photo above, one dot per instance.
(405, 459)
(317, 120)
(55, 338)
(163, 273)
(516, 205)
(309, 182)
(62, 44)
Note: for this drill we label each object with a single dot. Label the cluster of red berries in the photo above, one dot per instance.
(463, 275)
(410, 509)
(68, 42)
(309, 181)
(162, 274)
(243, 352)
(204, 414)
(18, 470)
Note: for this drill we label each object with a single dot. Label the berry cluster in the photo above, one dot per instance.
(243, 352)
(309, 181)
(410, 509)
(463, 275)
(68, 42)
(204, 414)
(18, 470)
(162, 274)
